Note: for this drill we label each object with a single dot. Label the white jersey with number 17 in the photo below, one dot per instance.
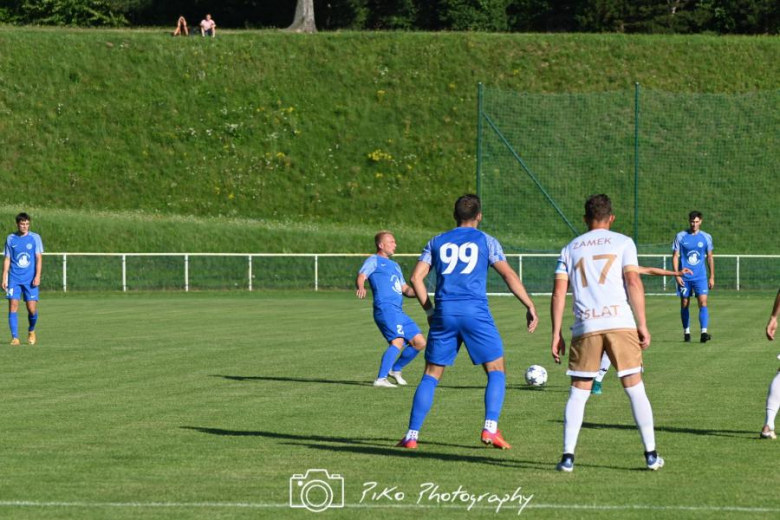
(593, 264)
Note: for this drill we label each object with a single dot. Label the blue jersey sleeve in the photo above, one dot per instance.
(495, 251)
(7, 252)
(709, 241)
(676, 243)
(38, 242)
(426, 256)
(369, 266)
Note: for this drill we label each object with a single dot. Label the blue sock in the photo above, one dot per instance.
(32, 319)
(704, 317)
(387, 360)
(407, 355)
(423, 400)
(13, 323)
(686, 317)
(494, 395)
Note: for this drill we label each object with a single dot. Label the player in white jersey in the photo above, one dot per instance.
(600, 266)
(773, 396)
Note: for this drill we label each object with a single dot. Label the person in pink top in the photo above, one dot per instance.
(208, 26)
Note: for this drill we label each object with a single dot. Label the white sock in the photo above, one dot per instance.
(704, 330)
(491, 426)
(572, 418)
(773, 402)
(412, 434)
(643, 414)
(687, 330)
(605, 364)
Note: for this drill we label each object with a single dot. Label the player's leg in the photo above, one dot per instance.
(486, 348)
(685, 315)
(624, 348)
(584, 361)
(31, 299)
(415, 344)
(495, 390)
(603, 369)
(422, 403)
(386, 364)
(772, 406)
(704, 316)
(442, 347)
(13, 307)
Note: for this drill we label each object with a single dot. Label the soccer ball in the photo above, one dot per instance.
(536, 375)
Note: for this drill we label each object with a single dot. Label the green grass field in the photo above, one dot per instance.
(203, 405)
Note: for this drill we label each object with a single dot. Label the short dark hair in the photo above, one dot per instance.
(22, 216)
(467, 207)
(598, 208)
(695, 214)
(379, 236)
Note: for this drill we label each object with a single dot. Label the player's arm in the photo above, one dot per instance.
(514, 284)
(421, 270)
(676, 267)
(557, 306)
(408, 291)
(655, 271)
(711, 265)
(771, 327)
(38, 267)
(6, 267)
(636, 297)
(360, 285)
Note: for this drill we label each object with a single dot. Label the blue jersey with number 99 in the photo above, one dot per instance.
(461, 258)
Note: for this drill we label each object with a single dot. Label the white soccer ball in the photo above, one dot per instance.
(536, 375)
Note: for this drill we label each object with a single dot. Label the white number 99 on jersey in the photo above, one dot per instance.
(467, 253)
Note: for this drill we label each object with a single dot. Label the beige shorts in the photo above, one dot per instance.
(622, 347)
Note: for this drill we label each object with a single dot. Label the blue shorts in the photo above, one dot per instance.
(394, 325)
(697, 287)
(476, 329)
(16, 290)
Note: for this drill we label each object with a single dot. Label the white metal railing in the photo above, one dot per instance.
(253, 274)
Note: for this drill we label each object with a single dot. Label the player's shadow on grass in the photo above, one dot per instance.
(380, 441)
(444, 385)
(296, 380)
(669, 429)
(372, 446)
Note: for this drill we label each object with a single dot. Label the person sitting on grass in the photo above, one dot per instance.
(181, 27)
(208, 27)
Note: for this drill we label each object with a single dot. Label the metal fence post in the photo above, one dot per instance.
(124, 273)
(64, 273)
(316, 273)
(186, 273)
(250, 272)
(738, 273)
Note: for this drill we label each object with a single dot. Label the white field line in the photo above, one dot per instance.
(506, 507)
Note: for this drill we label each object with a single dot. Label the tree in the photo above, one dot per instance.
(304, 17)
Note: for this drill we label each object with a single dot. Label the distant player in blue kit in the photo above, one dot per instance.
(389, 288)
(22, 275)
(461, 258)
(691, 248)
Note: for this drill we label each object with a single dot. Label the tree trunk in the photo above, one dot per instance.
(304, 17)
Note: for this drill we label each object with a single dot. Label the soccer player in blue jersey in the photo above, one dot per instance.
(690, 248)
(461, 258)
(22, 275)
(389, 288)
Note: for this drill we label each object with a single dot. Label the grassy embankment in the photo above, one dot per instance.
(274, 142)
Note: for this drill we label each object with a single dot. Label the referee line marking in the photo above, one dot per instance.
(264, 505)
